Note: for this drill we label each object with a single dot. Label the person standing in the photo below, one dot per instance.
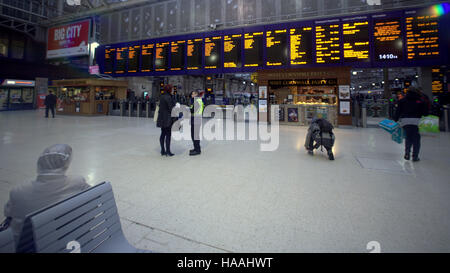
(196, 122)
(165, 120)
(50, 103)
(409, 111)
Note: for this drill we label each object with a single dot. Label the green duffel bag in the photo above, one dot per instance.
(429, 124)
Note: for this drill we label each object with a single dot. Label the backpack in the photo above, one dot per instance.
(325, 126)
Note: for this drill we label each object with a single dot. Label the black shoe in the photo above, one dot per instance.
(416, 159)
(169, 154)
(406, 157)
(163, 153)
(195, 153)
(310, 152)
(191, 151)
(330, 156)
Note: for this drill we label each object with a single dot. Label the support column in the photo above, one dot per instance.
(387, 87)
(425, 81)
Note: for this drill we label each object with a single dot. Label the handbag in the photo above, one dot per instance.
(155, 116)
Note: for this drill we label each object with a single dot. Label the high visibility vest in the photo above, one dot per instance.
(201, 106)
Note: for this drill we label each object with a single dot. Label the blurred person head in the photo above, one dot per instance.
(168, 89)
(194, 94)
(54, 160)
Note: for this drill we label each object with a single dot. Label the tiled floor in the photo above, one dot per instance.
(235, 198)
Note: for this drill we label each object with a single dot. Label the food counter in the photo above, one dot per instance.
(88, 96)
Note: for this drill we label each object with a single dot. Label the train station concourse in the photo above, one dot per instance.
(224, 127)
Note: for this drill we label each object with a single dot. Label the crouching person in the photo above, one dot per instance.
(320, 133)
(50, 186)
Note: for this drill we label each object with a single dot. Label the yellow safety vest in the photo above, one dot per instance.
(199, 111)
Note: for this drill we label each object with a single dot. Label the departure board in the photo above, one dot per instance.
(133, 58)
(327, 44)
(213, 49)
(161, 56)
(194, 54)
(301, 45)
(147, 57)
(109, 60)
(422, 37)
(277, 50)
(177, 58)
(253, 49)
(356, 41)
(388, 41)
(232, 51)
(121, 59)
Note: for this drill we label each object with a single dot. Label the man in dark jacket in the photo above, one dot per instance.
(165, 120)
(50, 103)
(409, 111)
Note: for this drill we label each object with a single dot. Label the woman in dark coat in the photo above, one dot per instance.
(165, 120)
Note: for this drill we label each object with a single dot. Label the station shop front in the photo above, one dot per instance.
(16, 94)
(88, 96)
(304, 94)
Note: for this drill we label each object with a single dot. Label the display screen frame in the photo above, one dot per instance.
(117, 46)
(244, 61)
(283, 26)
(387, 16)
(444, 25)
(303, 24)
(202, 49)
(354, 19)
(219, 68)
(231, 33)
(326, 22)
(139, 64)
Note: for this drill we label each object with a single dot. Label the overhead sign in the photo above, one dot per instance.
(9, 82)
(68, 40)
(307, 82)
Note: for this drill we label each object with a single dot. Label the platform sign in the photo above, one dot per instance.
(121, 60)
(388, 43)
(194, 53)
(162, 56)
(109, 60)
(232, 51)
(134, 53)
(328, 43)
(177, 50)
(422, 37)
(301, 43)
(253, 49)
(356, 41)
(277, 49)
(147, 57)
(213, 49)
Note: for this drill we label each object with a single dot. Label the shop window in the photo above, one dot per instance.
(4, 41)
(17, 48)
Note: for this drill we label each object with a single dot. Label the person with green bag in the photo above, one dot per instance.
(409, 112)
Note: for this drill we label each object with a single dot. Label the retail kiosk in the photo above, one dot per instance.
(88, 96)
(304, 94)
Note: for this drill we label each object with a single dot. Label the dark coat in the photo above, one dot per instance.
(166, 104)
(50, 100)
(411, 106)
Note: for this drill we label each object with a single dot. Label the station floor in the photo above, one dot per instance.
(235, 198)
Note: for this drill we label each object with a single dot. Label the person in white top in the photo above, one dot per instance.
(51, 186)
